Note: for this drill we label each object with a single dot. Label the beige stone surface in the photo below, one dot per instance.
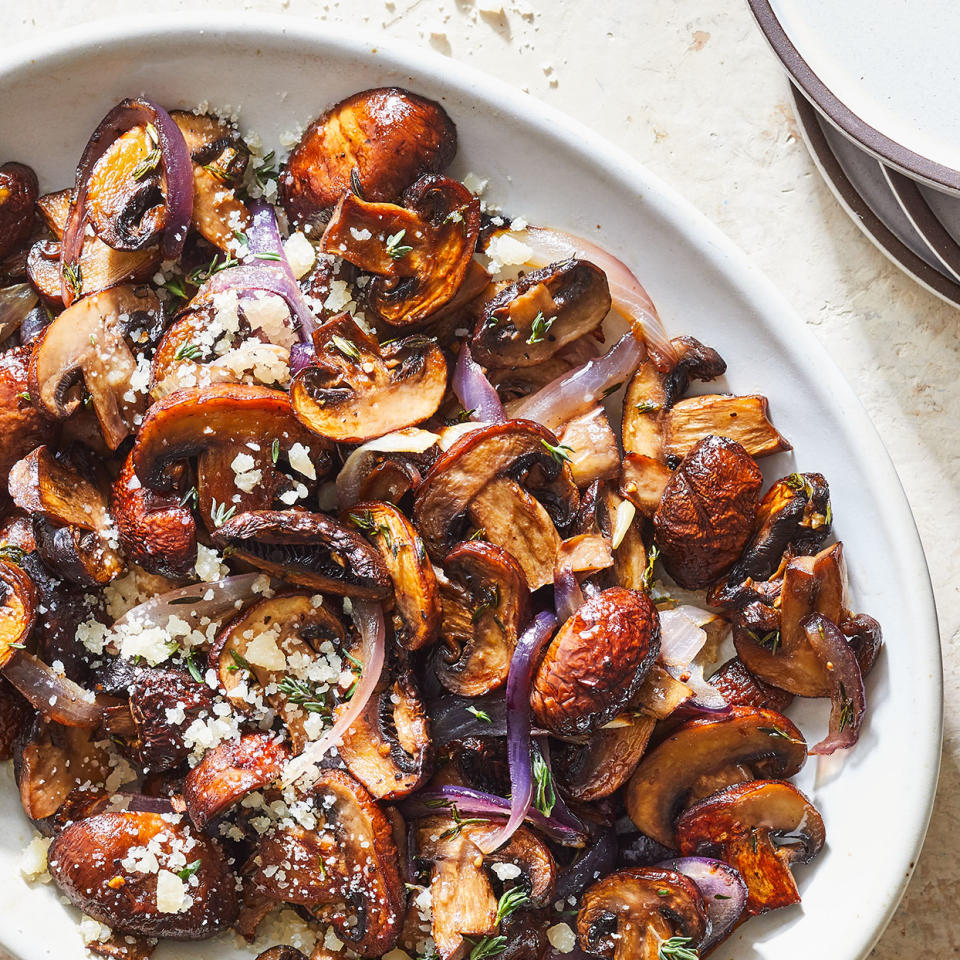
(690, 89)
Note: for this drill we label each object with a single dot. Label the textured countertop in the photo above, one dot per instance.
(690, 89)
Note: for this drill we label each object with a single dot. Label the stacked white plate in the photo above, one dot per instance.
(875, 91)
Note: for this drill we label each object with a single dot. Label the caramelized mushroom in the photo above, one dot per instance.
(18, 602)
(627, 915)
(703, 755)
(88, 342)
(357, 390)
(309, 549)
(231, 770)
(345, 871)
(486, 603)
(18, 192)
(596, 662)
(416, 611)
(530, 320)
(741, 822)
(21, 424)
(744, 420)
(707, 512)
(94, 862)
(15, 714)
(739, 687)
(592, 447)
(378, 141)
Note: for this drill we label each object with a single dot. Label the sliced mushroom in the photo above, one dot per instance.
(15, 714)
(18, 192)
(707, 512)
(84, 557)
(740, 687)
(630, 913)
(706, 754)
(156, 530)
(528, 321)
(520, 449)
(219, 158)
(742, 822)
(94, 862)
(596, 662)
(416, 610)
(486, 604)
(643, 481)
(592, 447)
(420, 253)
(357, 390)
(279, 645)
(388, 136)
(388, 747)
(742, 419)
(782, 656)
(18, 609)
(231, 770)
(308, 549)
(21, 424)
(88, 342)
(345, 871)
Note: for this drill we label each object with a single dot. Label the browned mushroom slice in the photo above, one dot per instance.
(357, 390)
(740, 687)
(528, 321)
(345, 871)
(643, 481)
(629, 914)
(420, 253)
(15, 714)
(584, 553)
(219, 158)
(416, 610)
(538, 870)
(707, 511)
(21, 424)
(783, 656)
(308, 549)
(596, 662)
(231, 770)
(278, 644)
(88, 342)
(592, 447)
(156, 530)
(82, 556)
(123, 946)
(742, 419)
(661, 694)
(643, 407)
(94, 862)
(18, 192)
(376, 141)
(18, 602)
(388, 747)
(741, 823)
(282, 952)
(704, 755)
(521, 449)
(486, 604)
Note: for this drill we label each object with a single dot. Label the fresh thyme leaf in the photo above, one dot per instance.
(266, 171)
(12, 553)
(612, 389)
(176, 287)
(510, 902)
(17, 646)
(187, 351)
(192, 667)
(480, 534)
(770, 640)
(647, 406)
(676, 949)
(73, 274)
(149, 163)
(540, 328)
(459, 822)
(189, 870)
(266, 255)
(488, 947)
(480, 714)
(646, 581)
(220, 513)
(189, 496)
(394, 247)
(303, 693)
(490, 601)
(202, 274)
(561, 452)
(347, 347)
(777, 732)
(376, 528)
(239, 663)
(795, 481)
(275, 450)
(24, 395)
(544, 797)
(846, 708)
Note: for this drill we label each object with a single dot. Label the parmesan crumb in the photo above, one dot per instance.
(33, 860)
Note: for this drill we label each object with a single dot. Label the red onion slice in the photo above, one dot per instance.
(177, 167)
(52, 694)
(519, 742)
(474, 391)
(628, 294)
(567, 593)
(723, 889)
(368, 617)
(848, 702)
(577, 391)
(681, 637)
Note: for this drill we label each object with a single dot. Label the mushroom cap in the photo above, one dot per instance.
(18, 193)
(18, 600)
(742, 744)
(22, 426)
(596, 662)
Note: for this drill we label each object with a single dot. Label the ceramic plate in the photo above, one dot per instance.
(548, 169)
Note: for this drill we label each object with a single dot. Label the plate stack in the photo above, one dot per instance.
(874, 82)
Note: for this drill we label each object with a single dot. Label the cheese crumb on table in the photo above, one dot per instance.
(33, 860)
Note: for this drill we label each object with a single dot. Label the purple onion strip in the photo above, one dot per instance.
(598, 860)
(474, 391)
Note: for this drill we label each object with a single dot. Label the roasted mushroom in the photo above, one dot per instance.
(744, 420)
(630, 913)
(741, 822)
(18, 192)
(376, 142)
(345, 871)
(704, 755)
(357, 390)
(89, 342)
(103, 865)
(596, 662)
(591, 446)
(486, 603)
(308, 549)
(739, 687)
(707, 512)
(21, 424)
(530, 320)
